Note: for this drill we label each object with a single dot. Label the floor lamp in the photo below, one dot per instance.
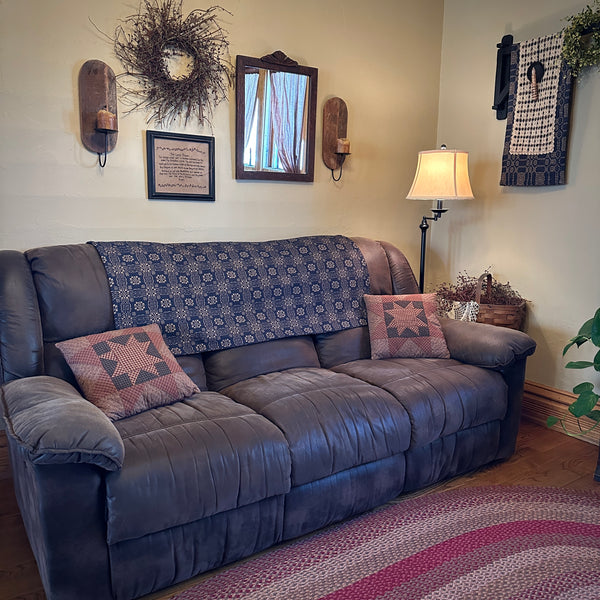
(441, 175)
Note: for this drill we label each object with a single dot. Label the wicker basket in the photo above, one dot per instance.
(504, 315)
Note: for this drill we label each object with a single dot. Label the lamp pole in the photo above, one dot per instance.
(438, 211)
(424, 226)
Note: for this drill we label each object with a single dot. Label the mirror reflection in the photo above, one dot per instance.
(275, 121)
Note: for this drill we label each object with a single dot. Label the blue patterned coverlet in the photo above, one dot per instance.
(216, 295)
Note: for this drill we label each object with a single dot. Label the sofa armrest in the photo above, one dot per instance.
(54, 424)
(486, 345)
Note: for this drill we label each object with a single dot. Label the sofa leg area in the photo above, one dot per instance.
(317, 504)
(63, 513)
(162, 559)
(452, 455)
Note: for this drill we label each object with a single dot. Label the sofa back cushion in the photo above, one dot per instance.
(73, 296)
(343, 346)
(21, 349)
(389, 273)
(74, 300)
(226, 367)
(72, 291)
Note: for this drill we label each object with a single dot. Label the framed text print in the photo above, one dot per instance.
(180, 166)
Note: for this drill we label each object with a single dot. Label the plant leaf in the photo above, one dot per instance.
(597, 361)
(586, 329)
(578, 339)
(595, 329)
(595, 416)
(551, 421)
(579, 364)
(584, 405)
(586, 386)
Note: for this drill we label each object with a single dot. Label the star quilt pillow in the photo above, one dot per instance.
(127, 371)
(405, 327)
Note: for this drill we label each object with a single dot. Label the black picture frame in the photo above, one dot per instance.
(180, 166)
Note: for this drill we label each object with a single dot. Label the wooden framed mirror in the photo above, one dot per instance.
(276, 107)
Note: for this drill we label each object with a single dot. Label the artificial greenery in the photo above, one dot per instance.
(587, 399)
(464, 290)
(581, 43)
(146, 41)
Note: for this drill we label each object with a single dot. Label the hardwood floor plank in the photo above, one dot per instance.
(18, 551)
(17, 583)
(542, 458)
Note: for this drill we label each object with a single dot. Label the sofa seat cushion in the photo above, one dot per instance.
(192, 459)
(332, 422)
(442, 396)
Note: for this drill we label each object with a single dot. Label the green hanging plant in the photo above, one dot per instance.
(581, 43)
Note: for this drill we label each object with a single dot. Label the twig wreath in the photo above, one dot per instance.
(173, 66)
(581, 44)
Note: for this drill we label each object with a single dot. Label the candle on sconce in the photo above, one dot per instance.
(343, 146)
(106, 121)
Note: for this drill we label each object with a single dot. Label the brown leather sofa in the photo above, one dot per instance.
(285, 437)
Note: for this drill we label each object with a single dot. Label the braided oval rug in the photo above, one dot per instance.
(513, 543)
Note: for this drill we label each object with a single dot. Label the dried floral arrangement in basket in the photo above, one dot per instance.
(482, 297)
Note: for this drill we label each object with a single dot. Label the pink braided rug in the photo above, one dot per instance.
(473, 543)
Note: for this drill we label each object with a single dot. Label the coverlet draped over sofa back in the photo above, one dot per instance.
(284, 437)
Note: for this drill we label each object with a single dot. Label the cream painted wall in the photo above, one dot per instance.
(383, 58)
(544, 240)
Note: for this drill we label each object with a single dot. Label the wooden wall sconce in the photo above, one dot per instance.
(336, 146)
(98, 108)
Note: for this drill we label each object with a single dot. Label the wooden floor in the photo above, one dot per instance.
(543, 458)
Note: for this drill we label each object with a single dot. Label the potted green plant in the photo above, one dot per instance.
(586, 403)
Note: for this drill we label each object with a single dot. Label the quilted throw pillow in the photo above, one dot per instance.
(405, 327)
(127, 371)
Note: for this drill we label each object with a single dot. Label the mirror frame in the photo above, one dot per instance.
(277, 61)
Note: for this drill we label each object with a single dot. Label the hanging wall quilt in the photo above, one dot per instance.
(537, 127)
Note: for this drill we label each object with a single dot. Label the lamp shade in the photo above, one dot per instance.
(441, 175)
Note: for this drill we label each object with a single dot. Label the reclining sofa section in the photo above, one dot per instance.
(285, 436)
